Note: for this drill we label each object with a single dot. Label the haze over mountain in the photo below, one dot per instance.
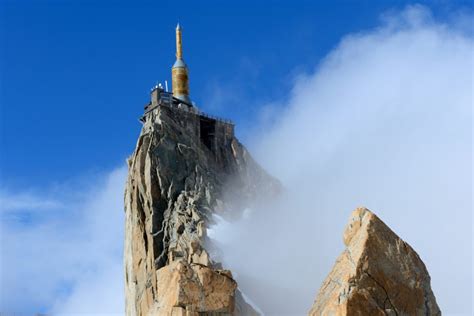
(383, 121)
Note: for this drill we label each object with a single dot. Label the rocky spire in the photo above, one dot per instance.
(377, 274)
(180, 172)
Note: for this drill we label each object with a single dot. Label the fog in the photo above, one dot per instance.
(383, 121)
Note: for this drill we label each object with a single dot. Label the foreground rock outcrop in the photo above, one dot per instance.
(377, 274)
(195, 287)
(185, 168)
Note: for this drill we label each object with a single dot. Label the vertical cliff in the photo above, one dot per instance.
(186, 167)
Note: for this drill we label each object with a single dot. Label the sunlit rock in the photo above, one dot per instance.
(377, 274)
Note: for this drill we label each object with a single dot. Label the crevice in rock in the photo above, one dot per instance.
(145, 241)
(387, 297)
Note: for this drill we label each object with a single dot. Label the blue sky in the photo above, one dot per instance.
(76, 74)
(376, 97)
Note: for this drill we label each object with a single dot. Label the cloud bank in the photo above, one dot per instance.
(384, 121)
(64, 255)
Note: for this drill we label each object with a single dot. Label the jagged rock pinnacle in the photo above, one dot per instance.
(183, 166)
(377, 274)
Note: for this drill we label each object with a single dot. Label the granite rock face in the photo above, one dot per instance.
(185, 168)
(194, 288)
(377, 274)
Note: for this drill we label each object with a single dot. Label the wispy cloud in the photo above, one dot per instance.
(68, 257)
(11, 202)
(385, 122)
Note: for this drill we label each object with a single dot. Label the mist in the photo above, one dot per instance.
(384, 121)
(62, 247)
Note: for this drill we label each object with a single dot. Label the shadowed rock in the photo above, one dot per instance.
(377, 274)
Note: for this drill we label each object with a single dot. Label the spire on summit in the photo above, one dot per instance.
(179, 72)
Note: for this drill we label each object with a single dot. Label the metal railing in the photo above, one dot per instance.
(213, 117)
(195, 111)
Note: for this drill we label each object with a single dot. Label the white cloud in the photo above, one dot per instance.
(385, 122)
(11, 202)
(71, 262)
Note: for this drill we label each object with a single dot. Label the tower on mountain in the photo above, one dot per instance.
(179, 72)
(213, 132)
